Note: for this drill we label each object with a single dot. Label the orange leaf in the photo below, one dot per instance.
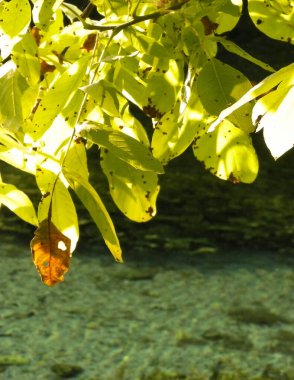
(51, 252)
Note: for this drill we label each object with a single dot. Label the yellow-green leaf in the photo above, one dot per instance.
(97, 210)
(275, 114)
(134, 191)
(57, 204)
(228, 153)
(18, 202)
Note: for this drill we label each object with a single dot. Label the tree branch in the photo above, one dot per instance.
(136, 19)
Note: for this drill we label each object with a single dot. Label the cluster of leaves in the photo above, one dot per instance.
(67, 82)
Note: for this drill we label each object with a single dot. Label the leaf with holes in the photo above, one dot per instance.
(51, 253)
(56, 202)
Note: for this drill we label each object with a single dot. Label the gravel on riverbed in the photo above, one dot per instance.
(176, 316)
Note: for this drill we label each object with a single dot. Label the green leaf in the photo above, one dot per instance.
(122, 146)
(127, 82)
(228, 153)
(18, 202)
(218, 86)
(134, 191)
(275, 114)
(15, 17)
(57, 97)
(235, 49)
(274, 18)
(56, 203)
(111, 9)
(106, 97)
(228, 16)
(162, 89)
(76, 172)
(64, 43)
(176, 130)
(12, 86)
(15, 153)
(24, 54)
(284, 76)
(97, 210)
(149, 45)
(43, 11)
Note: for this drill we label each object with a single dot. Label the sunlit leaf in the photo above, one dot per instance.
(105, 96)
(123, 146)
(228, 16)
(275, 114)
(24, 55)
(218, 86)
(285, 76)
(228, 153)
(134, 191)
(130, 85)
(51, 252)
(234, 48)
(57, 97)
(56, 203)
(97, 210)
(176, 130)
(43, 11)
(76, 172)
(162, 89)
(274, 18)
(12, 87)
(18, 202)
(15, 16)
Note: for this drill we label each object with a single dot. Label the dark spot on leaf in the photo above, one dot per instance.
(209, 26)
(259, 21)
(90, 42)
(233, 179)
(46, 194)
(150, 211)
(80, 140)
(151, 111)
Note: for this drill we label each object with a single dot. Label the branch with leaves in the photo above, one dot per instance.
(67, 83)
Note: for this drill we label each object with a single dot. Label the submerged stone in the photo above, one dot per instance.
(64, 370)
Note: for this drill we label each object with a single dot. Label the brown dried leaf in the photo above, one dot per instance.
(51, 253)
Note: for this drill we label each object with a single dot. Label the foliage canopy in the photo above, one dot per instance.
(67, 82)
